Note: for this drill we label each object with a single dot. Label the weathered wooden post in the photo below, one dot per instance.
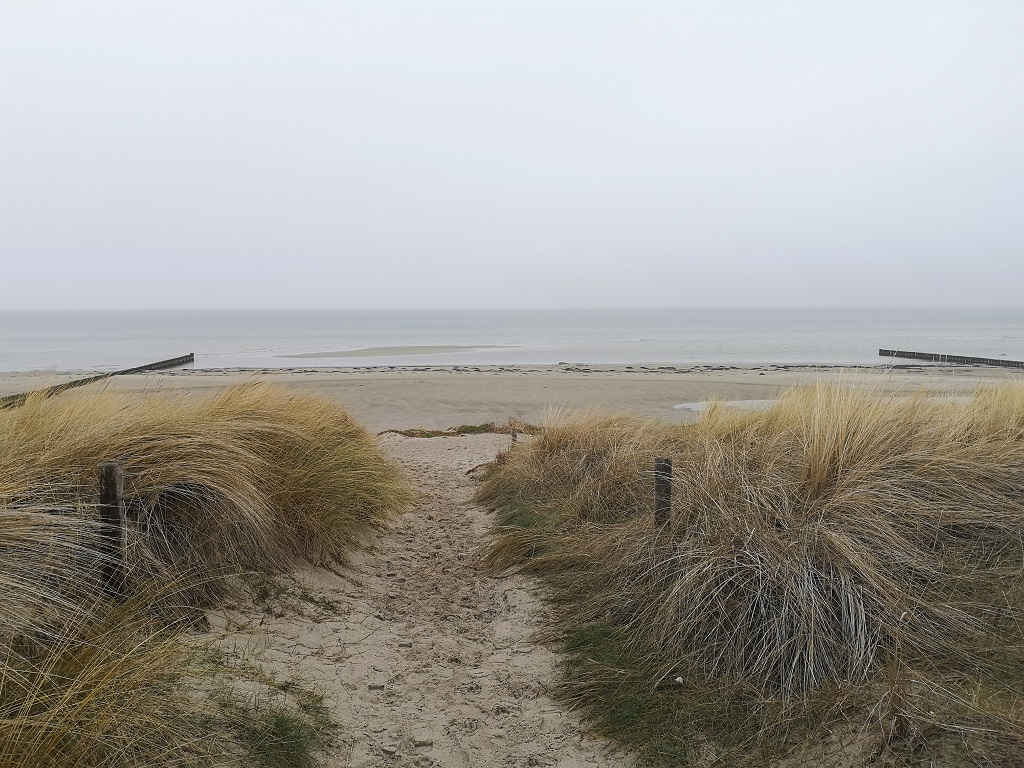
(514, 436)
(111, 501)
(662, 490)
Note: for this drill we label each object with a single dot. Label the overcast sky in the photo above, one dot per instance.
(378, 153)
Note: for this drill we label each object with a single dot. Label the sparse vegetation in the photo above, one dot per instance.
(490, 428)
(276, 724)
(842, 576)
(279, 738)
(245, 481)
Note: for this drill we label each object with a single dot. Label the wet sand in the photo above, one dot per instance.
(377, 351)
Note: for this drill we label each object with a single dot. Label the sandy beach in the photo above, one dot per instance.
(437, 397)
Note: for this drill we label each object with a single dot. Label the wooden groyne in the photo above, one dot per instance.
(934, 357)
(13, 401)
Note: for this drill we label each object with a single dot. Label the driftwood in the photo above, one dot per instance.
(512, 428)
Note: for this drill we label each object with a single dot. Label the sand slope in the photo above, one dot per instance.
(424, 660)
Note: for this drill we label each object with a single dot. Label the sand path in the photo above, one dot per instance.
(423, 658)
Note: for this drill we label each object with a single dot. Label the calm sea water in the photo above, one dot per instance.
(109, 340)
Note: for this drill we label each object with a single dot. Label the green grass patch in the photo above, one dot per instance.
(521, 516)
(269, 722)
(600, 676)
(664, 723)
(277, 737)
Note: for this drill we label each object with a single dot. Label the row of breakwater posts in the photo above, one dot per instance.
(938, 357)
(13, 401)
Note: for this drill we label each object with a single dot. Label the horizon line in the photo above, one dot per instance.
(589, 308)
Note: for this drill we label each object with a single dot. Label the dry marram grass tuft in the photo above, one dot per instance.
(244, 481)
(841, 560)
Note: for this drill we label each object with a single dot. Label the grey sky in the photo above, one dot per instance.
(293, 153)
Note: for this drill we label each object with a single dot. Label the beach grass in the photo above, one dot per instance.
(247, 481)
(841, 574)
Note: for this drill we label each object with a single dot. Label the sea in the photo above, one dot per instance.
(109, 340)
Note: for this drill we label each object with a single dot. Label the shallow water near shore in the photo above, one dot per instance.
(276, 339)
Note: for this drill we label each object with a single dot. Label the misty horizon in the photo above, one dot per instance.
(935, 308)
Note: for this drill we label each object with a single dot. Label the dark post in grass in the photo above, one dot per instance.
(662, 490)
(111, 500)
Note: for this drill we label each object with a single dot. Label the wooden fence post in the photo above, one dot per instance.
(111, 503)
(662, 490)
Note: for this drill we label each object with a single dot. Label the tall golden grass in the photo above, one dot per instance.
(839, 559)
(247, 480)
